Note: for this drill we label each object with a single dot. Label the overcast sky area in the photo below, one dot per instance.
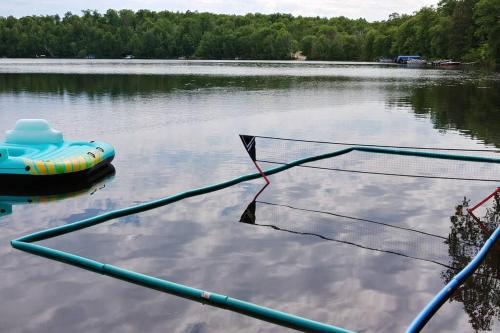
(370, 9)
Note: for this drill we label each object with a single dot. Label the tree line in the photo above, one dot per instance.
(466, 30)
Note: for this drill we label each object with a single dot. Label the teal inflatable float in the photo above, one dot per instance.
(34, 153)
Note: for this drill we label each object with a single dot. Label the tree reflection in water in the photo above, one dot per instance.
(480, 294)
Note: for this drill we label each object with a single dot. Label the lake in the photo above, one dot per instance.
(361, 250)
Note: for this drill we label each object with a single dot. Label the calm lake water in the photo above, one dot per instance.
(358, 250)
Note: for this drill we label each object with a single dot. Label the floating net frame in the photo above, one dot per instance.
(421, 152)
(27, 244)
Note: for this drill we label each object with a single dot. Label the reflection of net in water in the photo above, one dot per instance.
(280, 151)
(363, 233)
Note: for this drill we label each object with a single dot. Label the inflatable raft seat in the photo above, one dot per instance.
(33, 149)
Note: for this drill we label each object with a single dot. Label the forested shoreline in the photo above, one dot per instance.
(467, 30)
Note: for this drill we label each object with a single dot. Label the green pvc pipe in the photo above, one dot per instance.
(281, 318)
(205, 297)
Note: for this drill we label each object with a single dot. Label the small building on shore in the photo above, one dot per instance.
(298, 56)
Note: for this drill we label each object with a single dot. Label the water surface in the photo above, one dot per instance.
(328, 245)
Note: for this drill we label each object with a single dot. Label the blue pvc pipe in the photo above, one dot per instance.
(445, 293)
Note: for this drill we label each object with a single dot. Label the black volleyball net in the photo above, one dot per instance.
(274, 151)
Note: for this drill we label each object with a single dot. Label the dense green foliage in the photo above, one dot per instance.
(458, 29)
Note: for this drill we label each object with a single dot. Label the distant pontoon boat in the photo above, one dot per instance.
(403, 59)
